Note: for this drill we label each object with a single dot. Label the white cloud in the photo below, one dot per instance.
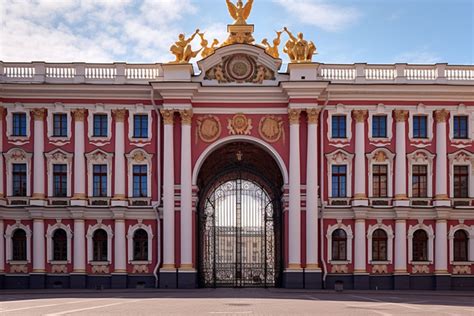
(319, 13)
(419, 56)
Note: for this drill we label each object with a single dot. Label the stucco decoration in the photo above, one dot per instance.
(140, 268)
(340, 268)
(208, 128)
(421, 269)
(379, 269)
(239, 68)
(239, 124)
(18, 268)
(271, 128)
(58, 268)
(462, 269)
(100, 269)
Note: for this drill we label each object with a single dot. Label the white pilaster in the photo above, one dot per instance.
(2, 247)
(441, 195)
(2, 172)
(38, 157)
(312, 258)
(360, 195)
(79, 255)
(441, 247)
(400, 246)
(120, 261)
(294, 214)
(38, 246)
(186, 192)
(79, 197)
(360, 246)
(401, 199)
(168, 191)
(119, 185)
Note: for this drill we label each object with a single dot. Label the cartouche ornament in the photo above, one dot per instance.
(182, 50)
(239, 12)
(273, 50)
(298, 49)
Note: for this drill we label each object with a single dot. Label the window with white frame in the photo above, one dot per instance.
(18, 242)
(18, 164)
(380, 243)
(460, 170)
(340, 162)
(59, 123)
(461, 243)
(139, 173)
(420, 174)
(99, 123)
(99, 169)
(380, 163)
(339, 243)
(18, 123)
(139, 242)
(140, 122)
(99, 243)
(420, 124)
(380, 122)
(339, 124)
(59, 169)
(58, 243)
(420, 243)
(461, 122)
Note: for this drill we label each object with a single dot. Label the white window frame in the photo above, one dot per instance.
(470, 233)
(340, 157)
(56, 157)
(461, 158)
(99, 109)
(59, 108)
(429, 231)
(99, 157)
(14, 156)
(371, 158)
(421, 157)
(49, 241)
(18, 108)
(9, 241)
(421, 110)
(90, 233)
(340, 109)
(139, 157)
(131, 233)
(370, 232)
(462, 110)
(350, 237)
(380, 110)
(139, 109)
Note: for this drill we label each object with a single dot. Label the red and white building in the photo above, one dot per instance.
(111, 174)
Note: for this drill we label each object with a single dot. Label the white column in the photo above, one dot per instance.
(294, 214)
(400, 246)
(360, 246)
(2, 247)
(360, 196)
(119, 155)
(38, 157)
(186, 192)
(38, 246)
(441, 196)
(79, 159)
(312, 259)
(79, 254)
(120, 263)
(441, 246)
(168, 191)
(2, 172)
(400, 159)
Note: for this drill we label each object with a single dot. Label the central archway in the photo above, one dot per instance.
(239, 218)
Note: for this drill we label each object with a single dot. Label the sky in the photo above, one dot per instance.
(141, 31)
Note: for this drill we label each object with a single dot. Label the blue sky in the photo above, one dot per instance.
(372, 31)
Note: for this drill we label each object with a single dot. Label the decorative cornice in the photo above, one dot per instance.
(294, 116)
(400, 115)
(168, 116)
(441, 116)
(38, 114)
(313, 115)
(79, 114)
(119, 115)
(186, 116)
(359, 115)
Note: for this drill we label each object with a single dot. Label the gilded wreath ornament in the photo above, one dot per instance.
(239, 124)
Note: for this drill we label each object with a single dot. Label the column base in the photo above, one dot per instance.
(443, 282)
(37, 281)
(119, 281)
(442, 203)
(78, 202)
(293, 279)
(401, 282)
(38, 202)
(119, 202)
(313, 279)
(168, 279)
(360, 202)
(78, 281)
(187, 279)
(401, 203)
(362, 281)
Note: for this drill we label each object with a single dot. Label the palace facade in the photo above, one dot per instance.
(239, 174)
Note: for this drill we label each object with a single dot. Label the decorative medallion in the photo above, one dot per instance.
(271, 128)
(240, 125)
(208, 128)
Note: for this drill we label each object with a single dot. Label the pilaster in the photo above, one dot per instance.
(119, 185)
(441, 182)
(360, 195)
(79, 196)
(38, 196)
(401, 198)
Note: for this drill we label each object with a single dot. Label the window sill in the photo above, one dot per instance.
(462, 263)
(380, 262)
(339, 262)
(140, 262)
(58, 262)
(17, 262)
(99, 263)
(416, 263)
(15, 138)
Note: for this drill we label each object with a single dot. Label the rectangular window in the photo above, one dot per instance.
(379, 175)
(419, 181)
(338, 126)
(100, 125)
(59, 125)
(461, 181)
(140, 126)
(460, 127)
(140, 181)
(379, 126)
(339, 180)
(420, 126)
(60, 180)
(100, 180)
(19, 124)
(19, 179)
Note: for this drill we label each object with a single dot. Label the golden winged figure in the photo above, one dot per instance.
(239, 12)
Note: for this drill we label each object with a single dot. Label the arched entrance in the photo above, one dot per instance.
(239, 218)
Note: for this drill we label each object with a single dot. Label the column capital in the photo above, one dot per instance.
(119, 115)
(359, 115)
(401, 115)
(38, 114)
(186, 116)
(294, 116)
(79, 114)
(313, 115)
(441, 116)
(167, 116)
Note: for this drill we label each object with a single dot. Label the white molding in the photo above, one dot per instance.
(90, 233)
(9, 242)
(339, 109)
(421, 109)
(470, 233)
(99, 157)
(340, 157)
(421, 157)
(461, 158)
(130, 235)
(380, 110)
(49, 240)
(58, 156)
(349, 235)
(389, 231)
(131, 161)
(17, 156)
(18, 108)
(388, 162)
(462, 110)
(59, 108)
(99, 109)
(140, 109)
(429, 231)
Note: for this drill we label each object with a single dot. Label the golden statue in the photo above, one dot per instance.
(273, 50)
(206, 50)
(239, 12)
(298, 49)
(182, 49)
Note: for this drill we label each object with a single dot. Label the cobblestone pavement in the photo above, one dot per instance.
(234, 302)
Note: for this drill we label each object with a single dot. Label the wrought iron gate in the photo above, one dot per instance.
(239, 236)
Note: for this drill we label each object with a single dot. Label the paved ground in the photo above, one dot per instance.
(234, 302)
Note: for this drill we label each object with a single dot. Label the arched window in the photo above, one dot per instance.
(19, 245)
(420, 245)
(339, 245)
(379, 245)
(461, 244)
(140, 245)
(99, 244)
(60, 245)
